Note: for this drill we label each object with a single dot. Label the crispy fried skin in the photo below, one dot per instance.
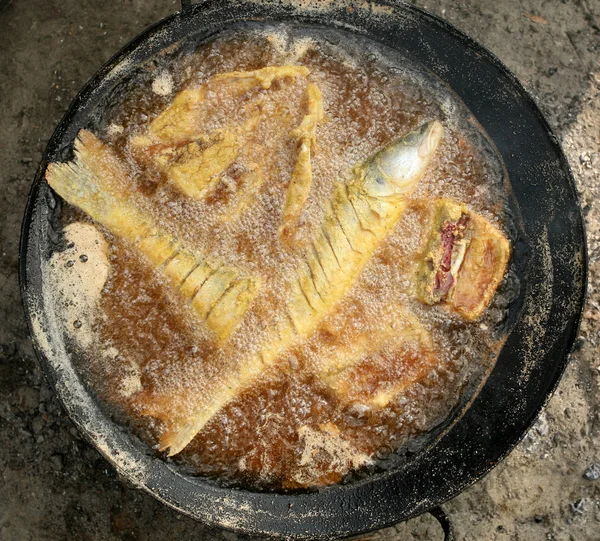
(357, 219)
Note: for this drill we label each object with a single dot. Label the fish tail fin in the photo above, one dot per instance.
(180, 432)
(92, 182)
(79, 182)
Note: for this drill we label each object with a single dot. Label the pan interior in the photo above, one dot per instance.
(371, 94)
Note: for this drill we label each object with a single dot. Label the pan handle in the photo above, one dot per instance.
(440, 515)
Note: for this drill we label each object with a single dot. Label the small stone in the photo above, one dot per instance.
(592, 473)
(538, 519)
(37, 424)
(83, 258)
(46, 392)
(77, 324)
(122, 522)
(541, 425)
(28, 399)
(26, 160)
(57, 462)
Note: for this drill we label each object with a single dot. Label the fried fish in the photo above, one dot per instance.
(301, 180)
(360, 216)
(220, 295)
(463, 262)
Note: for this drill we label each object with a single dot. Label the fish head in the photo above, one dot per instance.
(397, 168)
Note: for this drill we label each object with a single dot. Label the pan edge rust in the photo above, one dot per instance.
(455, 462)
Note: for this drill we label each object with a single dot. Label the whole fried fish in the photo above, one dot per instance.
(357, 220)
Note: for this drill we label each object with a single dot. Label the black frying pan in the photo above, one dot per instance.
(550, 260)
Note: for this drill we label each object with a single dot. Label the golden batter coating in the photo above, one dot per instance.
(93, 183)
(182, 122)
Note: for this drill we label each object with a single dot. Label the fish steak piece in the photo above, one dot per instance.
(463, 262)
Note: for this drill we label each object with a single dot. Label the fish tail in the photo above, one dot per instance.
(91, 183)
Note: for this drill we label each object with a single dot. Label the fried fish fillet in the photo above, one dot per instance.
(220, 295)
(177, 143)
(181, 122)
(301, 180)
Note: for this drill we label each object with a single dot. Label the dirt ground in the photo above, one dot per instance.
(54, 486)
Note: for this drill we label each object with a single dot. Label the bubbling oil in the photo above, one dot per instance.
(288, 430)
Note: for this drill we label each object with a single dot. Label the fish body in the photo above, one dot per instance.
(92, 182)
(264, 76)
(181, 122)
(176, 143)
(358, 218)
